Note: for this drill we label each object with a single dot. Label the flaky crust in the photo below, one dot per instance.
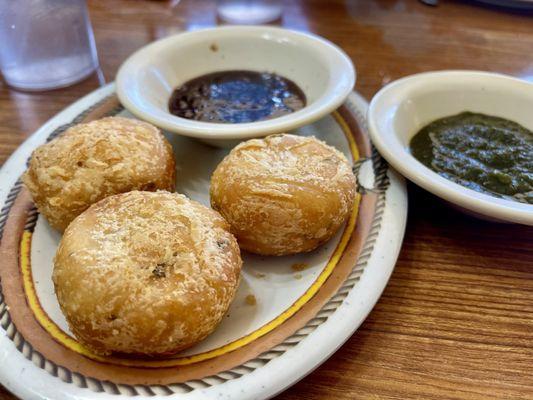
(146, 273)
(94, 160)
(283, 194)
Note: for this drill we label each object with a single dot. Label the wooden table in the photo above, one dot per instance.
(456, 319)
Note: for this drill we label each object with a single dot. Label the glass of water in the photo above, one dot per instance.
(249, 12)
(45, 44)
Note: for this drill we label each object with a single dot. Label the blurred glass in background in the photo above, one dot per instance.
(249, 12)
(45, 44)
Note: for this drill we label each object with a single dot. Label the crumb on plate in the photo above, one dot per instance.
(251, 300)
(299, 266)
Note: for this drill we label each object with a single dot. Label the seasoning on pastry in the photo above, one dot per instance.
(91, 161)
(146, 273)
(283, 194)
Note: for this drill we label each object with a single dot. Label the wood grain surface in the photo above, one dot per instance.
(456, 320)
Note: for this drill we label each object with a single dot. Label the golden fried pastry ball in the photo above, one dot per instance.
(94, 160)
(283, 194)
(146, 273)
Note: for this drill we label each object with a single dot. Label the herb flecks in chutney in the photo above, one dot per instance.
(487, 154)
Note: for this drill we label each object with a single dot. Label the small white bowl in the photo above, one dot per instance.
(147, 78)
(399, 110)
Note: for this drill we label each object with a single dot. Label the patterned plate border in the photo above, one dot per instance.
(381, 184)
(71, 343)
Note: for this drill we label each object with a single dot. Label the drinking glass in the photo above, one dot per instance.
(45, 44)
(249, 12)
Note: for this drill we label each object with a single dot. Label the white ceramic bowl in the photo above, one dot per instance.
(147, 78)
(399, 110)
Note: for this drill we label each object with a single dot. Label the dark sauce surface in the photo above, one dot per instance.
(484, 153)
(236, 97)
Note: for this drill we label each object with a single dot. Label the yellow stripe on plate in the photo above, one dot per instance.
(72, 344)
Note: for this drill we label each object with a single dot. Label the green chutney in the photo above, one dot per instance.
(487, 154)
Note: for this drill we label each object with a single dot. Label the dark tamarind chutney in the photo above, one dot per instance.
(236, 97)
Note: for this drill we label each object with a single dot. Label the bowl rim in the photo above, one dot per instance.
(207, 130)
(405, 163)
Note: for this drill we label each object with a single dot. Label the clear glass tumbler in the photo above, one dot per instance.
(249, 12)
(45, 44)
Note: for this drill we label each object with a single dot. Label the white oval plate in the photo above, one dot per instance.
(301, 316)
